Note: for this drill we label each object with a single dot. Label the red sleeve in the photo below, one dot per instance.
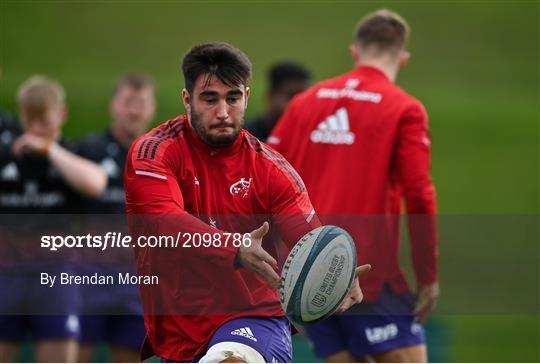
(154, 200)
(291, 208)
(412, 169)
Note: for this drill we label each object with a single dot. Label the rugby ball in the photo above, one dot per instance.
(318, 274)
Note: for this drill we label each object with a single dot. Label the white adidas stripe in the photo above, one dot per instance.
(343, 119)
(310, 216)
(332, 122)
(150, 174)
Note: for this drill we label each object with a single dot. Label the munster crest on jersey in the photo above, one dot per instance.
(241, 188)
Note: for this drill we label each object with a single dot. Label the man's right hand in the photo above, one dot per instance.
(256, 259)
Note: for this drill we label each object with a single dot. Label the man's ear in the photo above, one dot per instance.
(248, 92)
(355, 53)
(186, 99)
(404, 58)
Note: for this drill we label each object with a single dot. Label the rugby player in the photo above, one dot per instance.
(202, 173)
(118, 317)
(285, 80)
(40, 175)
(361, 144)
(9, 129)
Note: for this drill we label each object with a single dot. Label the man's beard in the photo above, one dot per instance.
(213, 140)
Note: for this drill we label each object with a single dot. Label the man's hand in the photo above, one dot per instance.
(427, 296)
(256, 259)
(355, 294)
(29, 143)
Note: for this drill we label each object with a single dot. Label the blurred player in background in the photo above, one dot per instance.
(43, 113)
(285, 80)
(214, 304)
(132, 109)
(40, 175)
(361, 144)
(10, 129)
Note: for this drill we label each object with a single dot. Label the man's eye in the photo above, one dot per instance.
(211, 101)
(233, 100)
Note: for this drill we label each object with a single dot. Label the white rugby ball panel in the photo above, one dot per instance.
(318, 274)
(332, 273)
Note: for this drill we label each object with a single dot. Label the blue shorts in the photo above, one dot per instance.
(270, 336)
(369, 328)
(112, 314)
(115, 299)
(120, 330)
(14, 328)
(27, 306)
(22, 293)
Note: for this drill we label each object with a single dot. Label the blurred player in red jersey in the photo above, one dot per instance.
(202, 173)
(361, 144)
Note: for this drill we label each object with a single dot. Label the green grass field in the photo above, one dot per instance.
(475, 66)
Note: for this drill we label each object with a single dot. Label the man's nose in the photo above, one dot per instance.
(134, 112)
(36, 128)
(222, 110)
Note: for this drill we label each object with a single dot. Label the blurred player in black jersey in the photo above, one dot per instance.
(116, 312)
(39, 175)
(9, 129)
(285, 80)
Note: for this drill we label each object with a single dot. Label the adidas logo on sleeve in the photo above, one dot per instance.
(334, 129)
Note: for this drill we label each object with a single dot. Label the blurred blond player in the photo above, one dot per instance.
(371, 140)
(39, 175)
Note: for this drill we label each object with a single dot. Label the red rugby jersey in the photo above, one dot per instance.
(360, 143)
(174, 182)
